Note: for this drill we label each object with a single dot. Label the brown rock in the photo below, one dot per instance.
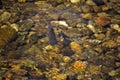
(76, 47)
(103, 20)
(95, 69)
(86, 9)
(79, 65)
(105, 8)
(96, 8)
(87, 16)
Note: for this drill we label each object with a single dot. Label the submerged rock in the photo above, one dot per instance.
(77, 1)
(5, 17)
(76, 47)
(103, 20)
(7, 34)
(80, 65)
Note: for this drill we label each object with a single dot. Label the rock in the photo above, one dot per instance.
(7, 34)
(42, 3)
(14, 18)
(48, 47)
(5, 17)
(76, 47)
(115, 1)
(109, 44)
(60, 77)
(26, 25)
(96, 8)
(86, 8)
(87, 16)
(113, 73)
(105, 8)
(115, 27)
(14, 26)
(99, 36)
(36, 18)
(92, 28)
(13, 55)
(21, 0)
(118, 63)
(62, 23)
(103, 20)
(75, 1)
(115, 20)
(94, 69)
(66, 59)
(79, 65)
(103, 14)
(90, 2)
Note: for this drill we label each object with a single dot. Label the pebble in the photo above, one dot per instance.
(90, 2)
(21, 0)
(15, 26)
(62, 23)
(103, 20)
(86, 9)
(79, 65)
(95, 69)
(26, 25)
(99, 36)
(105, 8)
(76, 47)
(113, 73)
(60, 77)
(5, 17)
(96, 8)
(115, 27)
(92, 28)
(75, 1)
(48, 47)
(87, 16)
(66, 59)
(7, 34)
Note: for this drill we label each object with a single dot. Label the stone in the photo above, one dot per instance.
(99, 36)
(75, 1)
(79, 65)
(87, 16)
(7, 34)
(95, 69)
(66, 59)
(76, 47)
(5, 17)
(96, 8)
(86, 8)
(90, 2)
(103, 20)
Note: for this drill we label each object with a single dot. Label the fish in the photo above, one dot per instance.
(51, 35)
(66, 40)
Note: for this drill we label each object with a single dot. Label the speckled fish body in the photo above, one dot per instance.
(51, 35)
